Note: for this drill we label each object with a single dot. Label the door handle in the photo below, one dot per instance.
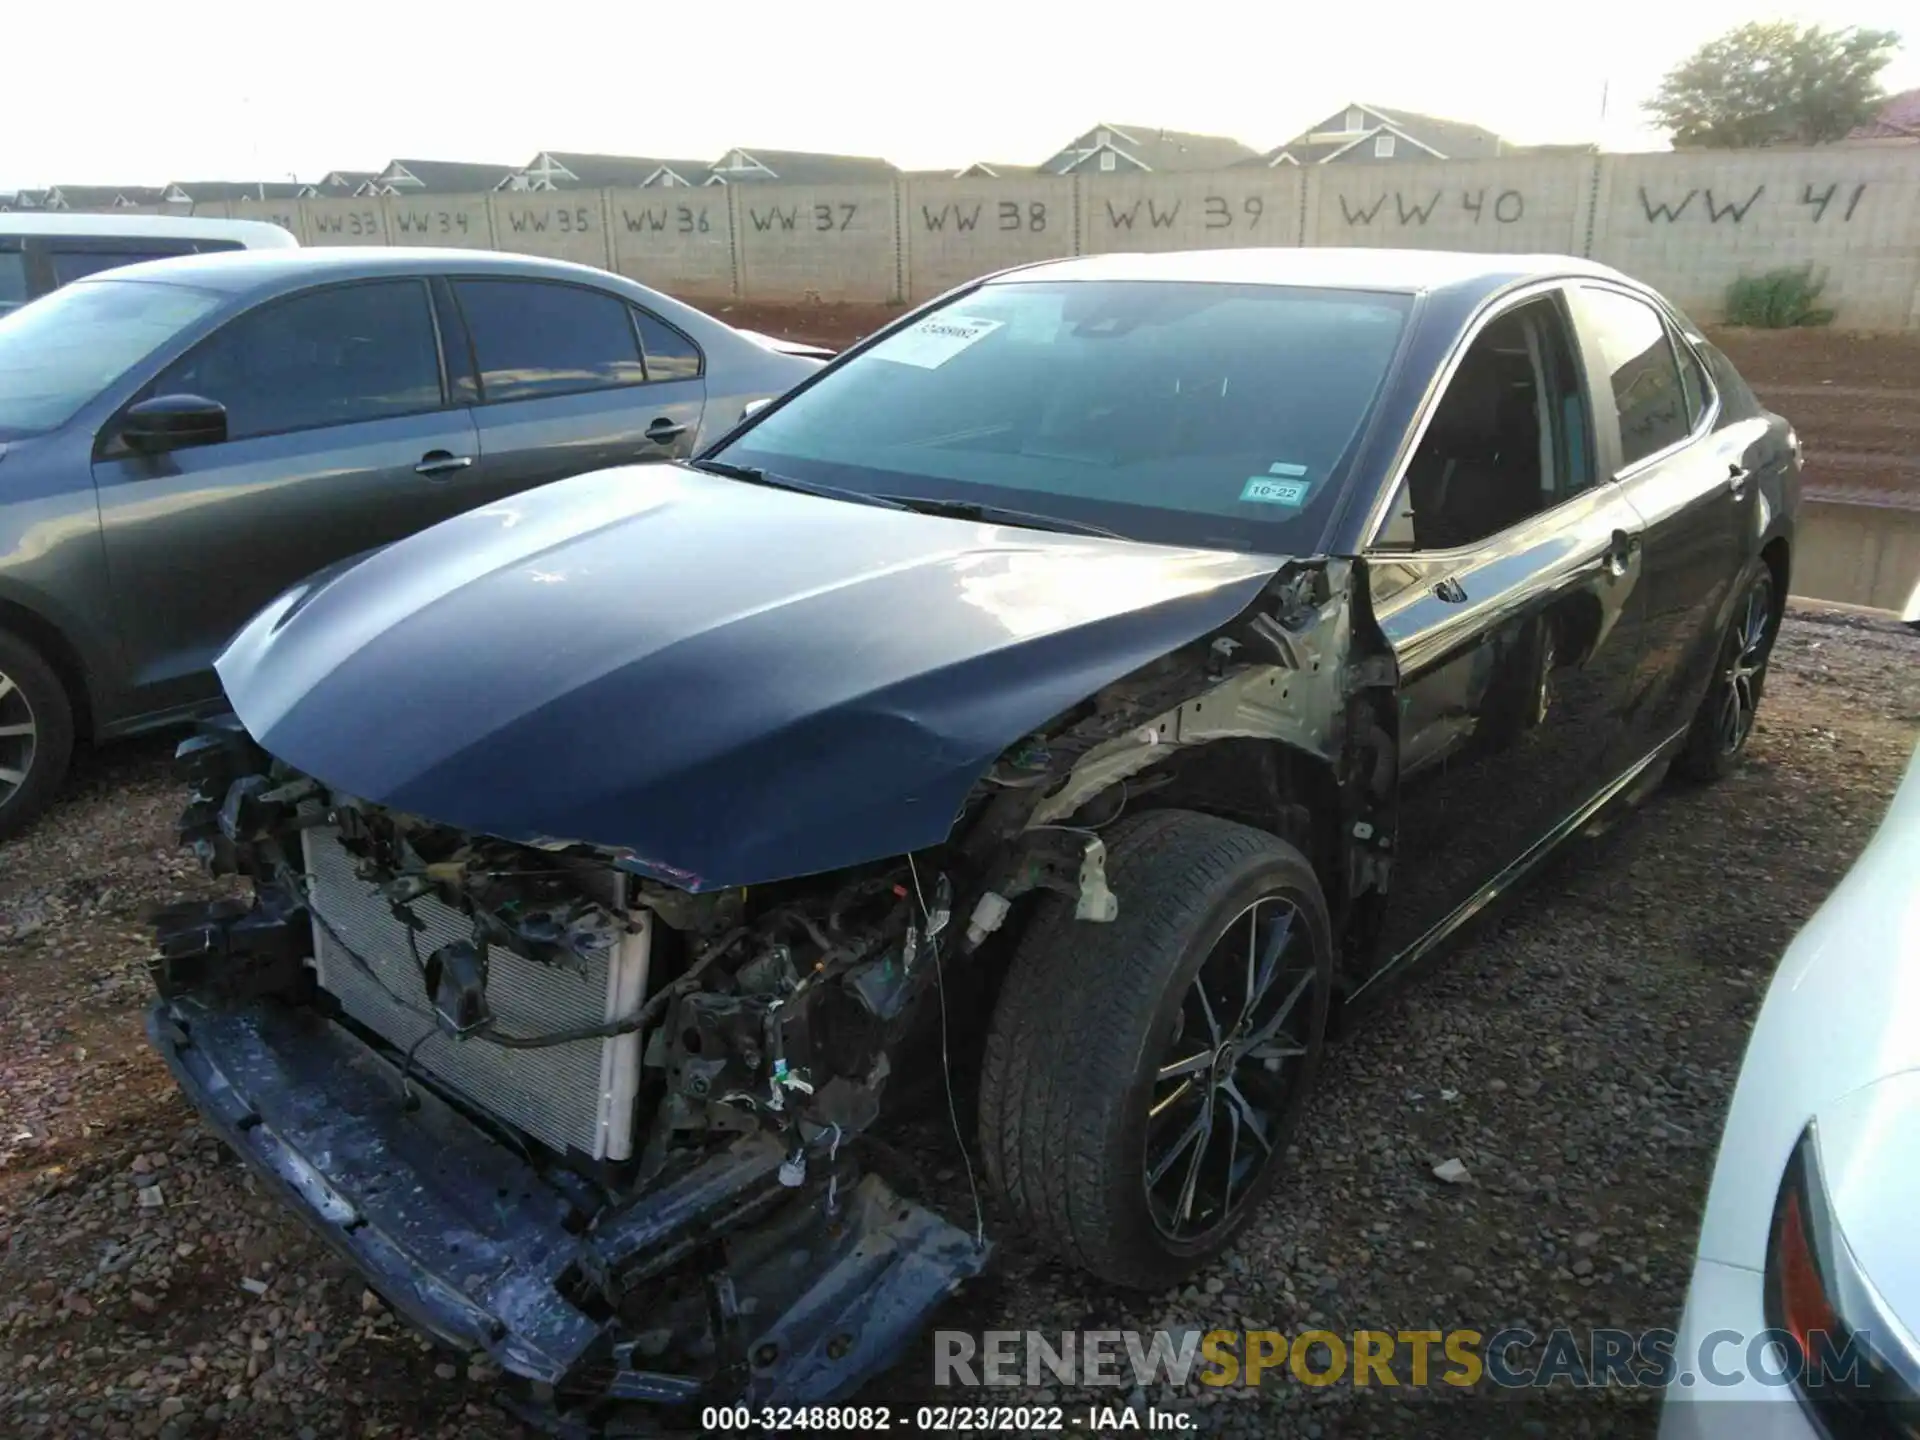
(441, 462)
(1737, 477)
(1619, 553)
(664, 431)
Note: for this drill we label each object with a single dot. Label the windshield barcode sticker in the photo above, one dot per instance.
(935, 340)
(1272, 490)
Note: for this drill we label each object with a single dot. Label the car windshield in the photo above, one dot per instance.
(1184, 413)
(57, 353)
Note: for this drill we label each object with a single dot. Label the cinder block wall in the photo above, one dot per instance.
(1688, 223)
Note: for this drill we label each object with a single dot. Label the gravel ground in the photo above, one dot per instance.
(1575, 1054)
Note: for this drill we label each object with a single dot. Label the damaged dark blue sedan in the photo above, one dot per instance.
(1081, 694)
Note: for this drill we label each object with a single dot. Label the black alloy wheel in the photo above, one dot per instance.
(1725, 719)
(1142, 1077)
(1220, 1096)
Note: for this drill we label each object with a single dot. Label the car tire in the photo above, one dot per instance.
(1717, 739)
(1089, 1015)
(36, 734)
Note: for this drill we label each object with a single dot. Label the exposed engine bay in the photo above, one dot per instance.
(647, 1119)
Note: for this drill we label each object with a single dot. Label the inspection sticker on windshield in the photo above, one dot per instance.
(936, 340)
(1283, 484)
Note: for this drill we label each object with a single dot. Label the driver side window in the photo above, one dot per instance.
(1509, 438)
(326, 357)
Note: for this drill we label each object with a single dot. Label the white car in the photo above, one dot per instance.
(43, 251)
(1803, 1316)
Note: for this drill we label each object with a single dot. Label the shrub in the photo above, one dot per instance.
(1778, 300)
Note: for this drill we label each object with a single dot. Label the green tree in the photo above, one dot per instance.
(1774, 83)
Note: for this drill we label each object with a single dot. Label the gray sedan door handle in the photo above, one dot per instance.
(441, 462)
(664, 431)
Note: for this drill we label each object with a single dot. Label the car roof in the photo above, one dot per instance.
(259, 234)
(1326, 267)
(264, 271)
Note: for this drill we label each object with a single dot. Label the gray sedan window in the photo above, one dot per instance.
(534, 338)
(65, 348)
(670, 355)
(327, 357)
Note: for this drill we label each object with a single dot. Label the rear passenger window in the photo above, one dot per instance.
(1693, 381)
(1640, 364)
(534, 339)
(327, 357)
(670, 355)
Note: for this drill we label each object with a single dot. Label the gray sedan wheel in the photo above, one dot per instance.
(36, 733)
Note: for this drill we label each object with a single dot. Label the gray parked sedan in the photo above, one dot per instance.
(181, 440)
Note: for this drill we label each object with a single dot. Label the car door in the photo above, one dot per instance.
(565, 386)
(1507, 582)
(340, 438)
(1689, 483)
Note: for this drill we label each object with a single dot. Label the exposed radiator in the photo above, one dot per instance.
(577, 1095)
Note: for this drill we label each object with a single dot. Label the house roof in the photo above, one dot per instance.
(450, 176)
(1899, 119)
(809, 167)
(593, 171)
(347, 179)
(974, 169)
(1162, 149)
(1301, 152)
(1158, 148)
(1448, 139)
(201, 191)
(86, 197)
(1000, 169)
(1456, 139)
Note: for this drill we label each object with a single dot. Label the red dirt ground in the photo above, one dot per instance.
(838, 325)
(1855, 399)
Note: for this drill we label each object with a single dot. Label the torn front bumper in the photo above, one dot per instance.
(473, 1246)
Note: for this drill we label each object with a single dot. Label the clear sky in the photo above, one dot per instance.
(111, 92)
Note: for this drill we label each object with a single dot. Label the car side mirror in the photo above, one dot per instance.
(173, 422)
(754, 407)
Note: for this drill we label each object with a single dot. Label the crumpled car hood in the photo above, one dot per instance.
(728, 683)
